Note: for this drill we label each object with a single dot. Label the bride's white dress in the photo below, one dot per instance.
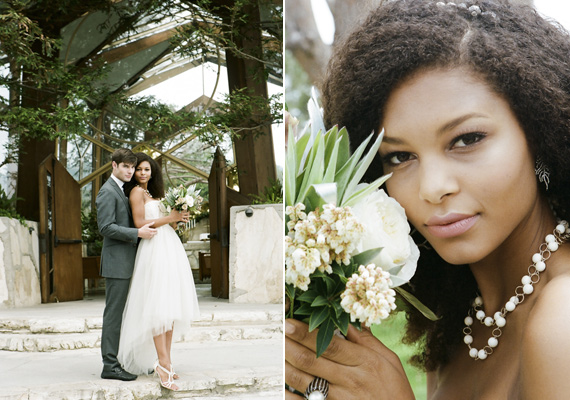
(161, 294)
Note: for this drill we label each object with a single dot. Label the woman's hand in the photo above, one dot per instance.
(360, 367)
(176, 215)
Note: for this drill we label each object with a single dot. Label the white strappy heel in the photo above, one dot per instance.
(170, 381)
(174, 374)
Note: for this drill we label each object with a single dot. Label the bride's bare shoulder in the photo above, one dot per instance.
(545, 349)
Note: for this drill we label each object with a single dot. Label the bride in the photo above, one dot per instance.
(474, 99)
(162, 294)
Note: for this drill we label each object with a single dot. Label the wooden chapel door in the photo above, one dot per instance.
(61, 269)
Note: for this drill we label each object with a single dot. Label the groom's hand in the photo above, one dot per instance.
(146, 232)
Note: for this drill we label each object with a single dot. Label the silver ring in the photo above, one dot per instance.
(318, 389)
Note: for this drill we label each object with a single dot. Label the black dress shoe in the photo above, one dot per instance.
(117, 373)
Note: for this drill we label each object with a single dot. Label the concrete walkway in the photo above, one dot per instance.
(237, 368)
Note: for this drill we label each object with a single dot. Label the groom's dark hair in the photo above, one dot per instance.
(124, 155)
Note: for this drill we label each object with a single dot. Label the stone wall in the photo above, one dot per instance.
(256, 254)
(19, 264)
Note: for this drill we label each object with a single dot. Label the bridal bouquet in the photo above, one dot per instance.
(347, 243)
(183, 198)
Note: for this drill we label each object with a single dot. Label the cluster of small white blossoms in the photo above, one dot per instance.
(317, 239)
(368, 296)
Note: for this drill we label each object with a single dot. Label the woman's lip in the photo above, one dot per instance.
(451, 225)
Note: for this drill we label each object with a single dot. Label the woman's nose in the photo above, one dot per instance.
(438, 180)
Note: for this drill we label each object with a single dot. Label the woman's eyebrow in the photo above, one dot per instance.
(458, 121)
(442, 129)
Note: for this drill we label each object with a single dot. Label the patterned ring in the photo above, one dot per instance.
(318, 389)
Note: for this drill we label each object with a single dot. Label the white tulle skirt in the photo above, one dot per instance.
(161, 296)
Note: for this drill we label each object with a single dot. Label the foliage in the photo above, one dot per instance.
(8, 207)
(271, 194)
(90, 232)
(217, 27)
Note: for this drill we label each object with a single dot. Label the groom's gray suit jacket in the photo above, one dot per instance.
(120, 236)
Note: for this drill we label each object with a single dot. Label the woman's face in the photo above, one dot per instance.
(143, 173)
(461, 165)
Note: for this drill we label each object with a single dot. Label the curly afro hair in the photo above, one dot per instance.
(519, 54)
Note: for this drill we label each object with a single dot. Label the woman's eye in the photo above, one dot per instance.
(396, 158)
(468, 139)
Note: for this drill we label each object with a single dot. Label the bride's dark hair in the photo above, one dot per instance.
(521, 56)
(155, 185)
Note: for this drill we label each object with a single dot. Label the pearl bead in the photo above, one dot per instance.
(498, 315)
(316, 395)
(478, 301)
(501, 322)
(540, 266)
(489, 321)
(553, 246)
(514, 300)
(493, 342)
(473, 352)
(510, 306)
(468, 339)
(482, 354)
(526, 280)
(560, 228)
(468, 321)
(528, 289)
(480, 315)
(550, 238)
(536, 257)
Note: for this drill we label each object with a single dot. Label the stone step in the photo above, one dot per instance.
(25, 341)
(82, 325)
(220, 370)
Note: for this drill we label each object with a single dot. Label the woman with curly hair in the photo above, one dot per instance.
(162, 297)
(474, 99)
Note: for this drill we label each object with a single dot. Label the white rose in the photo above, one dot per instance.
(385, 225)
(189, 201)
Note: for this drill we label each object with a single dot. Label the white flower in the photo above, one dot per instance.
(296, 213)
(300, 262)
(189, 200)
(386, 226)
(368, 296)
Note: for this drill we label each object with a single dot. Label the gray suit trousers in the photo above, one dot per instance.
(116, 291)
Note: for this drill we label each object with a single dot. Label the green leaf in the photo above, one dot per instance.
(331, 285)
(413, 300)
(300, 146)
(325, 335)
(308, 296)
(317, 317)
(337, 269)
(320, 301)
(316, 165)
(305, 309)
(342, 322)
(343, 176)
(363, 165)
(321, 194)
(367, 256)
(330, 164)
(330, 144)
(343, 149)
(357, 196)
(290, 173)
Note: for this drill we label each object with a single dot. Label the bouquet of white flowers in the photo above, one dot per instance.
(347, 244)
(183, 198)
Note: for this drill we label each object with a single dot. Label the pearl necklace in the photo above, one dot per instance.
(146, 191)
(552, 241)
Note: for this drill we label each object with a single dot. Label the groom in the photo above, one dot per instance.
(117, 257)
